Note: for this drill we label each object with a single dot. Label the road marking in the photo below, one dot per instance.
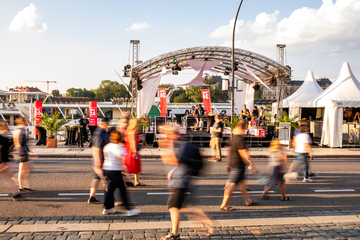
(78, 194)
(4, 194)
(254, 191)
(163, 193)
(336, 190)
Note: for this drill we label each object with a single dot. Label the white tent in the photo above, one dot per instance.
(308, 90)
(344, 92)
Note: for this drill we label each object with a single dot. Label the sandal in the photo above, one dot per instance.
(171, 236)
(140, 184)
(228, 209)
(286, 198)
(266, 197)
(253, 202)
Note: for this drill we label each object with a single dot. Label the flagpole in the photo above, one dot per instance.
(233, 87)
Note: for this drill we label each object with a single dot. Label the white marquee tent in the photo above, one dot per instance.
(344, 92)
(308, 90)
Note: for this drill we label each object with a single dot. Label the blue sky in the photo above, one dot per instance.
(79, 43)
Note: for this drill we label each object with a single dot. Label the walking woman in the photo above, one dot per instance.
(5, 164)
(277, 164)
(113, 168)
(132, 157)
(21, 151)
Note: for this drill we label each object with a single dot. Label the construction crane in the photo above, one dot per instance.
(47, 82)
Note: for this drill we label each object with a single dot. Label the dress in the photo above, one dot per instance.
(131, 159)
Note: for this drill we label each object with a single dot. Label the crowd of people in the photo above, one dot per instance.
(116, 157)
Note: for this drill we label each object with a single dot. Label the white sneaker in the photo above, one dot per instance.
(133, 212)
(108, 211)
(307, 180)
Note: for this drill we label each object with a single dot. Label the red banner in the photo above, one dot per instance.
(206, 100)
(92, 113)
(261, 133)
(163, 106)
(37, 113)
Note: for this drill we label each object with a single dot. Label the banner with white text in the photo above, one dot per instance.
(92, 113)
(163, 105)
(206, 100)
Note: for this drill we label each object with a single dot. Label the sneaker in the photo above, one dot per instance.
(118, 203)
(314, 175)
(18, 198)
(93, 200)
(108, 211)
(307, 180)
(133, 212)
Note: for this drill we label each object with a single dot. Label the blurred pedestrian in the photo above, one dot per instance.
(277, 165)
(183, 157)
(132, 156)
(21, 152)
(99, 139)
(113, 168)
(216, 138)
(5, 164)
(238, 160)
(302, 143)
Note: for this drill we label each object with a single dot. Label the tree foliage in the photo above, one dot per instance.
(193, 93)
(55, 93)
(110, 89)
(51, 124)
(80, 92)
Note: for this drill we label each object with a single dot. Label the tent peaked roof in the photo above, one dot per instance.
(309, 89)
(345, 89)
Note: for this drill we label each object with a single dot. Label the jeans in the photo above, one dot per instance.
(115, 180)
(304, 157)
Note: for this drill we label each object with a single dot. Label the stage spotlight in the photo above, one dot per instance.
(184, 61)
(228, 68)
(158, 66)
(128, 66)
(226, 73)
(176, 67)
(236, 64)
(212, 55)
(175, 61)
(139, 85)
(256, 87)
(251, 62)
(266, 67)
(220, 63)
(175, 72)
(193, 56)
(273, 82)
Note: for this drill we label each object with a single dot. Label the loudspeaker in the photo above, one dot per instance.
(273, 82)
(256, 87)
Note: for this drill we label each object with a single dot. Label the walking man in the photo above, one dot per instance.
(216, 138)
(99, 140)
(239, 158)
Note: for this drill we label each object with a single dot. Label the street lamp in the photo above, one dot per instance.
(233, 63)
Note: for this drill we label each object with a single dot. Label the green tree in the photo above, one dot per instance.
(110, 89)
(258, 94)
(193, 93)
(55, 92)
(78, 92)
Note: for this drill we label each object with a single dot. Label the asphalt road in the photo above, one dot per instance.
(63, 176)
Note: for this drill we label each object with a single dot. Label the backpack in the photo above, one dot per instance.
(194, 159)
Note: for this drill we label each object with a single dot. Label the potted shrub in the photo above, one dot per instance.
(52, 126)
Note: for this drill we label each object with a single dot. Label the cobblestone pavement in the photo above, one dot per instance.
(148, 217)
(309, 231)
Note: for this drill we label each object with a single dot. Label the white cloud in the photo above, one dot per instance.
(27, 20)
(138, 26)
(336, 24)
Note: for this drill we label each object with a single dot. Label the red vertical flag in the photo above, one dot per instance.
(37, 114)
(92, 113)
(163, 106)
(206, 100)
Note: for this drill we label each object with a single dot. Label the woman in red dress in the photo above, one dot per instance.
(132, 156)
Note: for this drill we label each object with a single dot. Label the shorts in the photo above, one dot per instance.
(236, 175)
(276, 178)
(98, 173)
(18, 156)
(176, 198)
